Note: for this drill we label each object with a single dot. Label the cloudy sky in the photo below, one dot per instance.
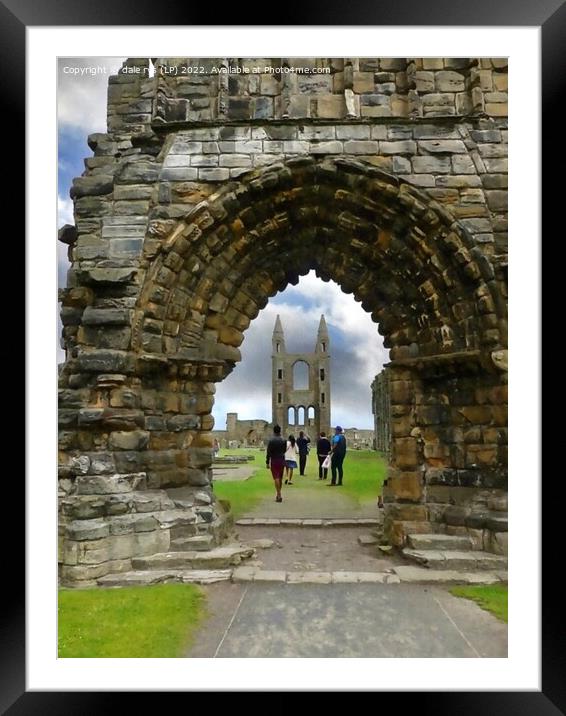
(356, 348)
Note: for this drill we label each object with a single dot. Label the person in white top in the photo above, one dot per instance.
(291, 457)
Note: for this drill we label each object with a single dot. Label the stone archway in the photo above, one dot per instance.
(416, 270)
(412, 266)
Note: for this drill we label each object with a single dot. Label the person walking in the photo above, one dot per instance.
(275, 459)
(291, 457)
(303, 445)
(322, 452)
(338, 447)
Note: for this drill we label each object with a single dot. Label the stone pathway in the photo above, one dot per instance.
(229, 473)
(306, 578)
(320, 549)
(310, 498)
(320, 587)
(343, 620)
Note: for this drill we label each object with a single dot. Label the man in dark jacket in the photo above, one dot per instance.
(322, 452)
(275, 458)
(338, 455)
(303, 445)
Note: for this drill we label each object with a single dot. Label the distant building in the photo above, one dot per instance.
(299, 402)
(300, 384)
(242, 433)
(359, 439)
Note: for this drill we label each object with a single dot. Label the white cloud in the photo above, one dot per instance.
(64, 211)
(355, 358)
(81, 98)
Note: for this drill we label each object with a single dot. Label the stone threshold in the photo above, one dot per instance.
(307, 522)
(399, 575)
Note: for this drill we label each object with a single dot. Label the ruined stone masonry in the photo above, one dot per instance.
(388, 176)
(381, 408)
(297, 406)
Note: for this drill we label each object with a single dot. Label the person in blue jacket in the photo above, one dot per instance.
(338, 453)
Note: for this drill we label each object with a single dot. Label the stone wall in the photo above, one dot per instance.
(381, 408)
(245, 432)
(296, 407)
(359, 439)
(387, 176)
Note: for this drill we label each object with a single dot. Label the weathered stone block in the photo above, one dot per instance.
(81, 530)
(109, 484)
(407, 486)
(403, 147)
(128, 440)
(238, 160)
(363, 82)
(449, 81)
(431, 165)
(179, 174)
(183, 422)
(358, 146)
(330, 106)
(497, 200)
(406, 453)
(441, 146)
(108, 316)
(326, 148)
(101, 463)
(104, 361)
(219, 174)
(355, 131)
(94, 185)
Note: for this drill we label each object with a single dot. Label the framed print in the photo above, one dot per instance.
(216, 184)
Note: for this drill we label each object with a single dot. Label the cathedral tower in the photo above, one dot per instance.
(301, 385)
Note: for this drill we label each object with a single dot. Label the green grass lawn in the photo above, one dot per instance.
(492, 597)
(158, 621)
(364, 472)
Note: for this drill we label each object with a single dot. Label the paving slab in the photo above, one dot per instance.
(439, 542)
(205, 576)
(456, 560)
(424, 575)
(267, 620)
(344, 577)
(309, 577)
(243, 574)
(270, 575)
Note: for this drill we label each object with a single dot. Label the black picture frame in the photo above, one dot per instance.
(550, 16)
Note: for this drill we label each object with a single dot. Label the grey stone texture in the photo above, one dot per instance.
(390, 171)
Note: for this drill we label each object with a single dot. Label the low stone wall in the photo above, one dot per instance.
(106, 521)
(478, 514)
(232, 459)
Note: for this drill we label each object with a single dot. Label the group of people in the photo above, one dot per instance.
(284, 456)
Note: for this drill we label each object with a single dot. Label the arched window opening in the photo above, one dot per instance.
(301, 416)
(291, 416)
(310, 416)
(301, 375)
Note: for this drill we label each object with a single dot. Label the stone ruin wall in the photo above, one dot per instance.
(143, 352)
